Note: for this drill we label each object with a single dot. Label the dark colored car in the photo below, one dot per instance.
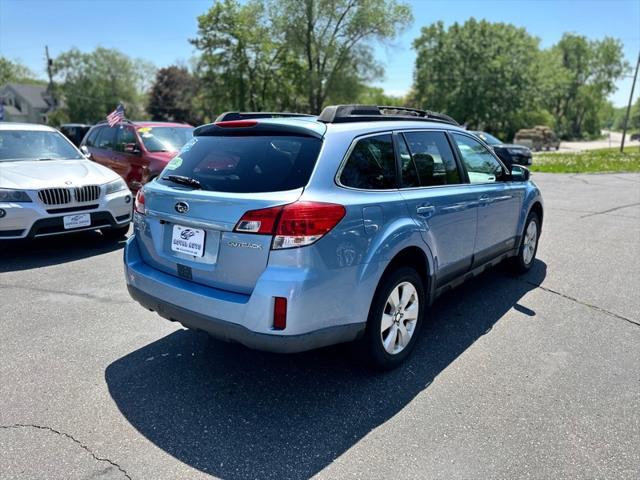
(509, 153)
(75, 132)
(138, 151)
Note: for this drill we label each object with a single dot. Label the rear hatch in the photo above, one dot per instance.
(222, 173)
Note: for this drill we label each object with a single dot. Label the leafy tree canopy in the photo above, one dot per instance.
(92, 84)
(291, 54)
(172, 95)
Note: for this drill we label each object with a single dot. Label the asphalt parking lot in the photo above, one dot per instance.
(514, 377)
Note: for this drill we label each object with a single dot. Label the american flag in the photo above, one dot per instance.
(116, 116)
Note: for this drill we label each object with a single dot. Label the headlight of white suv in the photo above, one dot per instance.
(13, 196)
(115, 186)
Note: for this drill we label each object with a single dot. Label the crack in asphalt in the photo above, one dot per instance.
(89, 296)
(575, 300)
(70, 437)
(611, 210)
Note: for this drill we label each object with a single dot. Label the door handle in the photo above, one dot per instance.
(486, 199)
(454, 207)
(424, 209)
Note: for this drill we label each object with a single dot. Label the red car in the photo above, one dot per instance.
(138, 151)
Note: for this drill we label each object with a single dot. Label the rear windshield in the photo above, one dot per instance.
(244, 164)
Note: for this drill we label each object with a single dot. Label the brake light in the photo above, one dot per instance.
(259, 221)
(139, 203)
(237, 124)
(295, 225)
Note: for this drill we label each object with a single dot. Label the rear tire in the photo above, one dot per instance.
(116, 233)
(526, 256)
(395, 318)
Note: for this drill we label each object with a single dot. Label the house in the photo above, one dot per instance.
(26, 103)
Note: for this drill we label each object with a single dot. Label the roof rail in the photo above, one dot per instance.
(228, 116)
(372, 113)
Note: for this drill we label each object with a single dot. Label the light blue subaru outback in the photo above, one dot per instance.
(288, 232)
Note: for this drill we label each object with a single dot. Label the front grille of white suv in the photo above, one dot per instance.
(63, 196)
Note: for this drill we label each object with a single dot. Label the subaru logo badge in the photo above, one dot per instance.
(68, 182)
(182, 207)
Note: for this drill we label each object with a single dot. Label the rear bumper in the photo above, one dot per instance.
(313, 317)
(232, 332)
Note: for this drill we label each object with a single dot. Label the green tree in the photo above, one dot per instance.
(289, 54)
(481, 73)
(171, 96)
(92, 84)
(244, 62)
(377, 96)
(15, 72)
(332, 39)
(586, 72)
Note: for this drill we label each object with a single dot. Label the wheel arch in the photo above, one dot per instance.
(536, 207)
(416, 257)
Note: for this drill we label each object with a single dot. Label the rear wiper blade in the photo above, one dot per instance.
(181, 179)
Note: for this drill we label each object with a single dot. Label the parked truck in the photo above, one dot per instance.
(537, 138)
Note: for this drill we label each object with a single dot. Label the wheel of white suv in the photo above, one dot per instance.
(522, 262)
(395, 318)
(115, 233)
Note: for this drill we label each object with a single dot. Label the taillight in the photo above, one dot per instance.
(295, 225)
(237, 124)
(139, 204)
(303, 223)
(259, 221)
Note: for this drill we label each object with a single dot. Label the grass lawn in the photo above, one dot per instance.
(592, 161)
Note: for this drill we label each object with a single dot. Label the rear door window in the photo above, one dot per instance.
(371, 164)
(245, 164)
(432, 158)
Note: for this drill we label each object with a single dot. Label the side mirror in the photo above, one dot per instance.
(131, 148)
(85, 151)
(519, 173)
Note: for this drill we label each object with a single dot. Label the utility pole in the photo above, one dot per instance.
(51, 89)
(626, 117)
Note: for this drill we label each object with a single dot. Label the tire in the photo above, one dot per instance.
(526, 256)
(116, 233)
(406, 282)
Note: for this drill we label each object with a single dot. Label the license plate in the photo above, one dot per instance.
(188, 240)
(76, 221)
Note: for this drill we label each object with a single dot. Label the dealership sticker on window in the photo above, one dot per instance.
(187, 146)
(174, 163)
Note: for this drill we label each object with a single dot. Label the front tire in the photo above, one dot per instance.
(395, 318)
(116, 233)
(524, 260)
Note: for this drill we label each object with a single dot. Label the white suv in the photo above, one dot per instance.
(47, 187)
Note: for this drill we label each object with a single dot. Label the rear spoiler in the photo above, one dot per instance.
(244, 128)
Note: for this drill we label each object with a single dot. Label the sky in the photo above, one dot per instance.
(158, 30)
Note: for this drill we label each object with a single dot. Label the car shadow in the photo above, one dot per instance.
(239, 414)
(26, 254)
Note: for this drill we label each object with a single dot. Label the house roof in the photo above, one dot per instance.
(32, 94)
(13, 111)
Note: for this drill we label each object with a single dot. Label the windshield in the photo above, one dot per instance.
(489, 139)
(246, 164)
(165, 139)
(16, 145)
